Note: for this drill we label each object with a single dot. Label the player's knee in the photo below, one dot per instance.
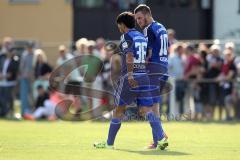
(156, 106)
(155, 109)
(118, 112)
(141, 113)
(145, 110)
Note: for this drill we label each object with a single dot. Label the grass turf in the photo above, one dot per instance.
(21, 140)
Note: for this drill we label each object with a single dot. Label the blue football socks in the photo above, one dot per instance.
(113, 130)
(156, 126)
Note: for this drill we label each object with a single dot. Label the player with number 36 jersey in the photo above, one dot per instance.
(133, 42)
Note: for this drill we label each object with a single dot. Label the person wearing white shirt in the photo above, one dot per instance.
(176, 70)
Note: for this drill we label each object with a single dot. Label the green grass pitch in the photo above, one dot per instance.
(21, 140)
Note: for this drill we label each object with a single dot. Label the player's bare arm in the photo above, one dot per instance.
(149, 55)
(129, 61)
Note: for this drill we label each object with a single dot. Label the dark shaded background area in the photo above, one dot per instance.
(188, 17)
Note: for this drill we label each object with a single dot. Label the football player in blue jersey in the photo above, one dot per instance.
(134, 82)
(157, 56)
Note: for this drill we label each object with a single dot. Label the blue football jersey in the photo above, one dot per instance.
(135, 42)
(157, 37)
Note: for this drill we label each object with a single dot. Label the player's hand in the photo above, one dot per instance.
(132, 82)
(146, 61)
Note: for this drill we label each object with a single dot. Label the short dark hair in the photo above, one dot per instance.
(127, 18)
(40, 87)
(143, 8)
(190, 48)
(30, 44)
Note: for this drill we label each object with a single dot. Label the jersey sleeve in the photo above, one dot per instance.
(127, 44)
(151, 37)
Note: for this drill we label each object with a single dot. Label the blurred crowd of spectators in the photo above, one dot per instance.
(209, 73)
(25, 77)
(206, 74)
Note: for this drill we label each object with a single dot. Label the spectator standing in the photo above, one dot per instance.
(8, 75)
(193, 63)
(228, 73)
(100, 48)
(90, 81)
(42, 68)
(236, 94)
(171, 36)
(26, 78)
(176, 70)
(81, 47)
(212, 92)
(6, 45)
(191, 73)
(42, 71)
